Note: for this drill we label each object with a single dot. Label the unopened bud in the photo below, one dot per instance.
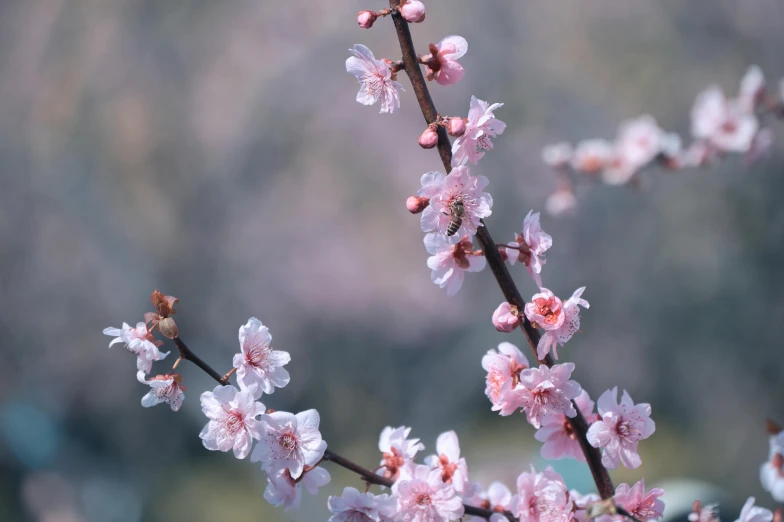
(416, 204)
(456, 127)
(428, 139)
(505, 318)
(365, 19)
(413, 11)
(168, 327)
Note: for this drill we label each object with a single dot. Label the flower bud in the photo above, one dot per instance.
(365, 19)
(168, 328)
(413, 11)
(456, 127)
(416, 204)
(505, 318)
(428, 139)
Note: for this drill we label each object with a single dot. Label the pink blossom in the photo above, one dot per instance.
(454, 469)
(505, 318)
(752, 88)
(497, 498)
(772, 470)
(558, 155)
(643, 506)
(282, 489)
(547, 391)
(542, 497)
(442, 61)
(560, 441)
(752, 513)
(140, 342)
(397, 450)
(416, 204)
(353, 506)
(163, 388)
(443, 191)
(503, 375)
(726, 124)
(562, 201)
(259, 367)
(413, 11)
(289, 441)
(375, 79)
(700, 513)
(365, 19)
(559, 320)
(620, 428)
(456, 126)
(581, 503)
(530, 246)
(233, 423)
(428, 139)
(475, 141)
(451, 257)
(760, 146)
(592, 156)
(639, 141)
(424, 497)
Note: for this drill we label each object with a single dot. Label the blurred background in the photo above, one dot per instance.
(214, 150)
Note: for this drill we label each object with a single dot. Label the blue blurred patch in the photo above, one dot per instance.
(30, 434)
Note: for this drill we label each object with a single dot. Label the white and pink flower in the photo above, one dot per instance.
(424, 497)
(772, 470)
(397, 450)
(592, 156)
(443, 190)
(546, 391)
(560, 441)
(752, 513)
(259, 367)
(752, 88)
(558, 155)
(163, 388)
(442, 63)
(639, 141)
(375, 79)
(286, 491)
(353, 506)
(140, 342)
(529, 247)
(542, 497)
(503, 375)
(726, 124)
(475, 141)
(450, 258)
(620, 428)
(559, 320)
(454, 469)
(233, 424)
(289, 441)
(642, 505)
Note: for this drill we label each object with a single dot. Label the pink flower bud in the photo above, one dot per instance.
(505, 318)
(416, 204)
(428, 139)
(365, 19)
(456, 127)
(413, 11)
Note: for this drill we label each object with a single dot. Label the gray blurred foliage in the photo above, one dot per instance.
(214, 150)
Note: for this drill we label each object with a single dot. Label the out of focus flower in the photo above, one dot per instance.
(503, 375)
(233, 423)
(772, 471)
(140, 342)
(639, 141)
(542, 497)
(163, 388)
(562, 201)
(726, 124)
(752, 88)
(760, 145)
(752, 513)
(397, 450)
(353, 506)
(475, 141)
(424, 497)
(558, 155)
(442, 63)
(443, 191)
(530, 246)
(497, 498)
(282, 489)
(547, 391)
(560, 441)
(289, 441)
(559, 320)
(582, 503)
(506, 318)
(450, 258)
(413, 11)
(620, 428)
(642, 505)
(259, 367)
(375, 79)
(700, 513)
(592, 156)
(454, 469)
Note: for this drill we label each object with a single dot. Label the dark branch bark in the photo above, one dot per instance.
(188, 355)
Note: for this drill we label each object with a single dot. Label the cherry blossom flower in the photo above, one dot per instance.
(772, 471)
(620, 428)
(547, 391)
(451, 257)
(140, 342)
(581, 503)
(752, 513)
(475, 141)
(454, 469)
(233, 423)
(443, 191)
(259, 367)
(726, 124)
(413, 11)
(497, 498)
(639, 141)
(289, 441)
(503, 375)
(506, 318)
(397, 450)
(530, 246)
(560, 441)
(558, 155)
(700, 513)
(752, 88)
(643, 506)
(559, 320)
(282, 489)
(424, 497)
(592, 156)
(542, 497)
(375, 79)
(442, 63)
(163, 388)
(562, 201)
(353, 506)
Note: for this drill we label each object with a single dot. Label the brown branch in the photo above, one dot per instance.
(497, 265)
(188, 355)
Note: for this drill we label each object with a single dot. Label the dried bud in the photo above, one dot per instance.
(164, 304)
(428, 139)
(416, 204)
(168, 328)
(365, 19)
(456, 127)
(413, 11)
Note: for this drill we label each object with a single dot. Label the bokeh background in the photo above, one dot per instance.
(214, 150)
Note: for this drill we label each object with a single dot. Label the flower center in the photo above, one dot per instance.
(729, 126)
(372, 84)
(447, 469)
(235, 422)
(423, 499)
(257, 355)
(288, 442)
(460, 251)
(483, 143)
(547, 308)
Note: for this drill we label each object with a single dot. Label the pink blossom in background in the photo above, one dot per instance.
(531, 246)
(542, 497)
(752, 513)
(561, 202)
(700, 513)
(397, 450)
(592, 156)
(425, 498)
(475, 141)
(353, 506)
(558, 155)
(443, 66)
(454, 469)
(559, 320)
(504, 319)
(560, 441)
(163, 388)
(284, 490)
(726, 124)
(752, 88)
(645, 506)
(772, 470)
(620, 428)
(547, 391)
(450, 258)
(442, 190)
(233, 423)
(259, 367)
(639, 141)
(413, 11)
(581, 503)
(289, 441)
(375, 79)
(140, 342)
(760, 146)
(503, 375)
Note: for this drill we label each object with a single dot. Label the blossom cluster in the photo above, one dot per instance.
(720, 125)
